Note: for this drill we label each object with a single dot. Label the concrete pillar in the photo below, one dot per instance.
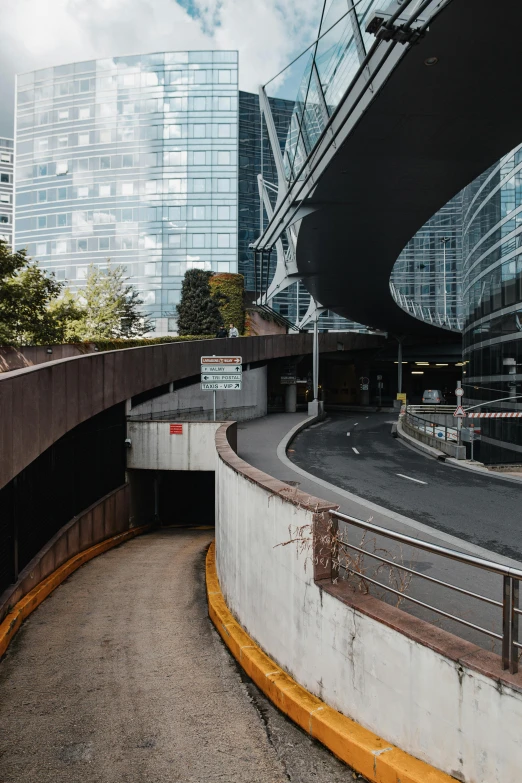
(291, 398)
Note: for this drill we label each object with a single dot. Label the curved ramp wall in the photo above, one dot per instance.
(441, 699)
(62, 429)
(104, 519)
(40, 404)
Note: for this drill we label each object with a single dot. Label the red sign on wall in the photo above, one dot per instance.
(176, 429)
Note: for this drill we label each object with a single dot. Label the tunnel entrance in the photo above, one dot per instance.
(178, 498)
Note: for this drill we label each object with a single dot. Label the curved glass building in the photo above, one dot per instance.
(132, 159)
(492, 298)
(427, 277)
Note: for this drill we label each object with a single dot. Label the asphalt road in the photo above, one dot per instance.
(357, 453)
(120, 677)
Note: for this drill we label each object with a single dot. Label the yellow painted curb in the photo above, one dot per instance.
(34, 598)
(368, 754)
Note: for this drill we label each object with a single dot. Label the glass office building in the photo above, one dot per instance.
(492, 297)
(427, 277)
(6, 189)
(255, 157)
(132, 159)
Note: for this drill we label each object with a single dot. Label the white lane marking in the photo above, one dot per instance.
(367, 417)
(364, 505)
(411, 479)
(348, 433)
(356, 423)
(354, 449)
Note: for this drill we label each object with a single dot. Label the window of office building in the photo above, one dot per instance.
(140, 163)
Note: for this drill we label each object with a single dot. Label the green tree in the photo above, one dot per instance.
(198, 310)
(108, 307)
(26, 293)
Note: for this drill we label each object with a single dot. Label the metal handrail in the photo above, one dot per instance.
(425, 576)
(411, 418)
(423, 312)
(510, 596)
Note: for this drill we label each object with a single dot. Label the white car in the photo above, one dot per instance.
(432, 397)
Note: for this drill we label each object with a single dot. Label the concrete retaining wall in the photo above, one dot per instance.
(249, 403)
(106, 518)
(449, 448)
(443, 700)
(155, 447)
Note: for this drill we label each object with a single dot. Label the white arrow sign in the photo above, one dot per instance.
(214, 386)
(221, 368)
(220, 377)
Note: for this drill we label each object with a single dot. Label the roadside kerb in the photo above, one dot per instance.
(429, 451)
(448, 448)
(38, 594)
(363, 750)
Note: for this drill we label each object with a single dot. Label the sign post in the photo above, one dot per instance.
(221, 372)
(459, 391)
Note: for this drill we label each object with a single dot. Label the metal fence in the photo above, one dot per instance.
(243, 412)
(439, 431)
(505, 584)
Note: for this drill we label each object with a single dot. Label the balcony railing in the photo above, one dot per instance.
(430, 315)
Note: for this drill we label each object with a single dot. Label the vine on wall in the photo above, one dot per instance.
(228, 289)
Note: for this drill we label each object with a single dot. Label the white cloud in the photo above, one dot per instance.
(37, 34)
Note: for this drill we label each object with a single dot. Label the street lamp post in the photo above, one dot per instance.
(444, 241)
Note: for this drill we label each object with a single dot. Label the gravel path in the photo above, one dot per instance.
(119, 677)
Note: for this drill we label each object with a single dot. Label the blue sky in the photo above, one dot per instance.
(41, 33)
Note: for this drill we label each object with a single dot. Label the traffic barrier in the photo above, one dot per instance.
(506, 415)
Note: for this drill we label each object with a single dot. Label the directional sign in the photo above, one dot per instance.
(221, 368)
(220, 377)
(459, 392)
(221, 372)
(459, 411)
(206, 360)
(214, 386)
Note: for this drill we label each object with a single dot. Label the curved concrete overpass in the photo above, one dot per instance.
(39, 404)
(401, 153)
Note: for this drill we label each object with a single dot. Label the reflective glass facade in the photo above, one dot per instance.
(326, 72)
(253, 161)
(6, 189)
(427, 266)
(492, 294)
(255, 157)
(132, 159)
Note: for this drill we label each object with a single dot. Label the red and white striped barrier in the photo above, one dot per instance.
(473, 415)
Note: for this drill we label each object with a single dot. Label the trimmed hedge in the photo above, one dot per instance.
(229, 289)
(113, 345)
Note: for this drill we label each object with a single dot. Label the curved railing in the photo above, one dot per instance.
(428, 314)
